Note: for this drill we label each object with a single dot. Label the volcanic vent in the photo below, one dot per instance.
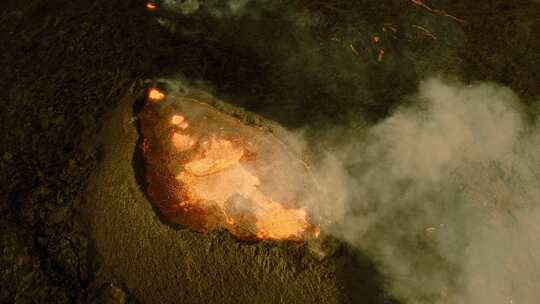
(207, 170)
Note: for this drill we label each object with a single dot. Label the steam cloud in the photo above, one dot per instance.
(443, 196)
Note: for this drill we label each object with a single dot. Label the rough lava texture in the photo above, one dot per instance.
(208, 170)
(160, 263)
(65, 65)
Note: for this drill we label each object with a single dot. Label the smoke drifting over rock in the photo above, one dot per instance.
(443, 194)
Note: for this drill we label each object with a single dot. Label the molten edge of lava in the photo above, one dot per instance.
(175, 199)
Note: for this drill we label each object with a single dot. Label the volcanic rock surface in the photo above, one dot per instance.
(208, 170)
(162, 263)
(66, 64)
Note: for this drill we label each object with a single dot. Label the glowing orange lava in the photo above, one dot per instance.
(177, 119)
(155, 95)
(208, 171)
(151, 6)
(218, 179)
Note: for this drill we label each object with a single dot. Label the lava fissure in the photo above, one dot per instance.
(207, 170)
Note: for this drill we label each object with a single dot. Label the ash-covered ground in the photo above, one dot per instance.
(311, 65)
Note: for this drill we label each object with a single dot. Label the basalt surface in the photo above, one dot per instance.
(159, 262)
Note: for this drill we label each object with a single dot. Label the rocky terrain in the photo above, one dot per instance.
(66, 65)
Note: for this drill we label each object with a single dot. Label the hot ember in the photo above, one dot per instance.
(207, 170)
(155, 95)
(151, 6)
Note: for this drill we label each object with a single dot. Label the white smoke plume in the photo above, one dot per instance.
(443, 196)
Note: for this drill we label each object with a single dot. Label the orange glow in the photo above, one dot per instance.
(213, 172)
(317, 232)
(151, 6)
(381, 54)
(155, 95)
(218, 179)
(184, 125)
(177, 119)
(182, 142)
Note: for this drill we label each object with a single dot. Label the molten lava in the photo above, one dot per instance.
(155, 95)
(151, 6)
(207, 171)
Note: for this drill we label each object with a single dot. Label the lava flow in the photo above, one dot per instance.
(151, 6)
(155, 95)
(207, 170)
